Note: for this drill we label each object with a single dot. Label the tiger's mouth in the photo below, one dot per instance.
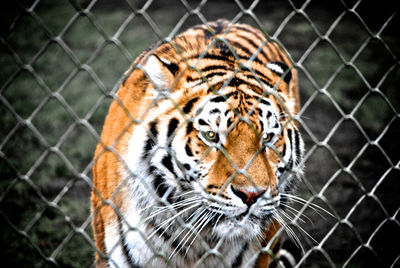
(260, 211)
(246, 225)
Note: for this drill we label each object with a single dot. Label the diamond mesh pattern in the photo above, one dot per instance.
(62, 68)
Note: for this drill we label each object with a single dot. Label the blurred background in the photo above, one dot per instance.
(62, 61)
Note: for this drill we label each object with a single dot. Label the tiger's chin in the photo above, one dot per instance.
(244, 227)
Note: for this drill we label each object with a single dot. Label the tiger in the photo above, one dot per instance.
(198, 153)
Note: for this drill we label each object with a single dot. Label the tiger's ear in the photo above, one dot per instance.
(161, 72)
(280, 69)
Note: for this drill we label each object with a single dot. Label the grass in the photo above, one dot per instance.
(81, 96)
(24, 201)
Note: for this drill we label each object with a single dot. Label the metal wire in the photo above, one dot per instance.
(82, 175)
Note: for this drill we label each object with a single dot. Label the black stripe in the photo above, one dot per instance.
(218, 99)
(189, 128)
(172, 67)
(159, 181)
(240, 46)
(251, 42)
(249, 102)
(173, 124)
(284, 150)
(189, 105)
(290, 162)
(215, 111)
(211, 75)
(226, 57)
(202, 122)
(260, 74)
(260, 112)
(165, 48)
(151, 139)
(214, 57)
(125, 249)
(166, 161)
(235, 82)
(190, 78)
(187, 148)
(285, 69)
(246, 29)
(275, 50)
(213, 68)
(229, 123)
(265, 102)
(262, 126)
(297, 145)
(281, 170)
(239, 258)
(261, 78)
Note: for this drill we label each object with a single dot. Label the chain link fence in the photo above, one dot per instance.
(62, 63)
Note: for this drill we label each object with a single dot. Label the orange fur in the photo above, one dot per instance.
(131, 104)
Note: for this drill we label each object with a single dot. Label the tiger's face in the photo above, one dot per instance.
(235, 135)
(233, 149)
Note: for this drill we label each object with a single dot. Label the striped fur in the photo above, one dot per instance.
(196, 152)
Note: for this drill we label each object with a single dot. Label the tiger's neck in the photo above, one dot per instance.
(146, 233)
(154, 243)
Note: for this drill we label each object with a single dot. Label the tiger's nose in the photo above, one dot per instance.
(248, 197)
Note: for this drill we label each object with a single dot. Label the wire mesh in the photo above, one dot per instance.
(62, 66)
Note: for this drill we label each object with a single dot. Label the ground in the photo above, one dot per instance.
(56, 85)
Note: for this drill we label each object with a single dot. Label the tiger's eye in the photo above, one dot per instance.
(267, 137)
(211, 136)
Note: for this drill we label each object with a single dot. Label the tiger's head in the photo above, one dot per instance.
(221, 134)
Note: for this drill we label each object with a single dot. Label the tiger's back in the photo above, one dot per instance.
(156, 150)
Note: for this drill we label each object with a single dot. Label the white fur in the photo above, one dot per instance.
(286, 254)
(113, 246)
(230, 233)
(154, 72)
(275, 67)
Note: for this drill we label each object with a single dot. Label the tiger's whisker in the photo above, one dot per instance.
(178, 203)
(292, 235)
(300, 228)
(194, 231)
(313, 206)
(170, 209)
(185, 193)
(182, 242)
(294, 212)
(197, 233)
(170, 219)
